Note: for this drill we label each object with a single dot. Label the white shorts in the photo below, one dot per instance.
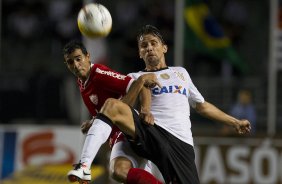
(122, 149)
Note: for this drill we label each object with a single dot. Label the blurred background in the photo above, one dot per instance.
(231, 49)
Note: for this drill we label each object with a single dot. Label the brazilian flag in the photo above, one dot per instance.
(205, 35)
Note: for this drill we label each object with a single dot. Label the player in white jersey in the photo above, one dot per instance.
(177, 85)
(168, 143)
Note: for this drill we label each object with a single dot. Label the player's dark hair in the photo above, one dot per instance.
(149, 29)
(72, 45)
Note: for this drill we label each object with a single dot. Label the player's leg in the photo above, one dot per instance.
(183, 161)
(153, 169)
(94, 140)
(119, 114)
(124, 165)
(129, 122)
(119, 168)
(113, 111)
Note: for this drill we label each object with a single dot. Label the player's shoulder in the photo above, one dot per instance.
(135, 74)
(103, 69)
(178, 69)
(100, 66)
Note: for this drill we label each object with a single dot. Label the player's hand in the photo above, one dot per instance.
(150, 80)
(85, 126)
(243, 127)
(147, 117)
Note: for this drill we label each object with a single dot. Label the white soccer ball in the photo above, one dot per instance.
(94, 20)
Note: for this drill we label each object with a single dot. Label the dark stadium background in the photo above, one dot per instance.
(37, 89)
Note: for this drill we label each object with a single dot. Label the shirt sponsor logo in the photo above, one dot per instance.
(110, 73)
(170, 89)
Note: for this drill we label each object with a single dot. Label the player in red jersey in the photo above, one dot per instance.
(97, 83)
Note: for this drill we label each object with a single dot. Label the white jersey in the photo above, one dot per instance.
(170, 104)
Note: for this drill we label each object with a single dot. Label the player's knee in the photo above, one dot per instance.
(120, 170)
(111, 107)
(120, 174)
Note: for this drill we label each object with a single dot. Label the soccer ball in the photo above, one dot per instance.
(94, 20)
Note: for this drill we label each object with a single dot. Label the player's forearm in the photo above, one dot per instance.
(145, 99)
(213, 113)
(133, 92)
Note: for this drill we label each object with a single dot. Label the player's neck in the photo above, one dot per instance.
(154, 68)
(85, 79)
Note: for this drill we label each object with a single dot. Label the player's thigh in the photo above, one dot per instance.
(121, 115)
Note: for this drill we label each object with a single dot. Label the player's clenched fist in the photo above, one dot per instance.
(243, 126)
(150, 80)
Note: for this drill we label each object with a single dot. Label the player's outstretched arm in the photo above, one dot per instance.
(209, 111)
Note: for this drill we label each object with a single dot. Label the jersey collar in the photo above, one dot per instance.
(83, 84)
(155, 70)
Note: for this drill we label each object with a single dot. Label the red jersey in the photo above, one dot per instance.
(103, 83)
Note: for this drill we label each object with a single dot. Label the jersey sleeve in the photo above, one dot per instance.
(195, 96)
(112, 80)
(134, 75)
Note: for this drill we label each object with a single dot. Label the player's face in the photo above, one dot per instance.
(152, 51)
(78, 63)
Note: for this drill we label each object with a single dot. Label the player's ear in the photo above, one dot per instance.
(139, 54)
(88, 57)
(165, 48)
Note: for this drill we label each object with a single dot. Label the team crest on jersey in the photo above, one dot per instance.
(94, 99)
(180, 75)
(165, 76)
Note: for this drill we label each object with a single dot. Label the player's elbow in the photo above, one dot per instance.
(202, 108)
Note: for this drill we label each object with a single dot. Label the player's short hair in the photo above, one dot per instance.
(72, 45)
(149, 29)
